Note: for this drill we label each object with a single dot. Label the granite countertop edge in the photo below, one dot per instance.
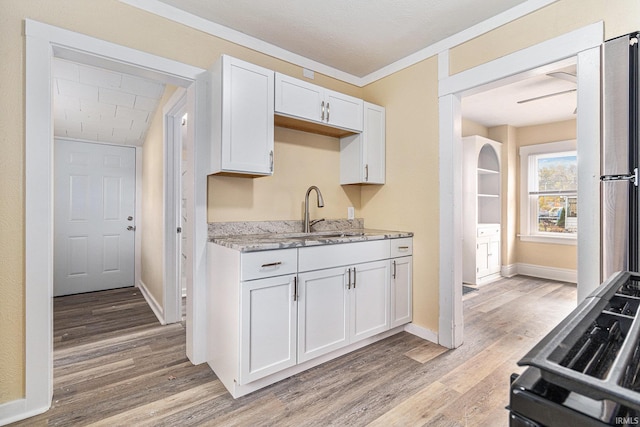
(270, 241)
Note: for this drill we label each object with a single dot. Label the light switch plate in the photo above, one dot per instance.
(351, 212)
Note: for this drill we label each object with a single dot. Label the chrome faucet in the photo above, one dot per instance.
(307, 225)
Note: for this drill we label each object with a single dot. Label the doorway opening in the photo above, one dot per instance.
(583, 43)
(500, 125)
(43, 43)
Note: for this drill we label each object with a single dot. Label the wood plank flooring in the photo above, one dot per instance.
(114, 365)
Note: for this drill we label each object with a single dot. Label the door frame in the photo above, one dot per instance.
(583, 43)
(172, 113)
(43, 42)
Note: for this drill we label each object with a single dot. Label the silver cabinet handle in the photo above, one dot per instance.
(394, 269)
(349, 281)
(403, 248)
(271, 160)
(366, 172)
(327, 111)
(322, 116)
(271, 264)
(354, 277)
(295, 288)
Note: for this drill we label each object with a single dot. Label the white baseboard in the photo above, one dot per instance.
(17, 410)
(424, 333)
(552, 273)
(155, 307)
(509, 270)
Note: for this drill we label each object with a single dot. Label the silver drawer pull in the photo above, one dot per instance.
(403, 248)
(271, 264)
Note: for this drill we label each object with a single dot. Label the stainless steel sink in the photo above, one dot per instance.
(316, 235)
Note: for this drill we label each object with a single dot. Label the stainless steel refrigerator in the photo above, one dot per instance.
(620, 155)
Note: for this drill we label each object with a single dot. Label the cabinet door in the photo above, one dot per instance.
(482, 257)
(322, 312)
(246, 130)
(362, 156)
(401, 281)
(369, 299)
(493, 256)
(374, 144)
(267, 327)
(297, 98)
(343, 111)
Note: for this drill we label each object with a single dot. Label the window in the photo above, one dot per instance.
(549, 192)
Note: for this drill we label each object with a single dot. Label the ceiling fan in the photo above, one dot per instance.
(562, 75)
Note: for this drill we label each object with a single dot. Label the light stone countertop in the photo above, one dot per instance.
(269, 241)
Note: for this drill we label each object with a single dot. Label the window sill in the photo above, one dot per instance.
(555, 240)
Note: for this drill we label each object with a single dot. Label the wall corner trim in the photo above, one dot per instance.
(550, 273)
(17, 410)
(155, 307)
(424, 333)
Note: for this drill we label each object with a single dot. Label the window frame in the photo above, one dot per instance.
(529, 213)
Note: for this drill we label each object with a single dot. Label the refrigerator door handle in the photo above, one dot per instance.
(633, 177)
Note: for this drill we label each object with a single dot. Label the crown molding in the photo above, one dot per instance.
(177, 15)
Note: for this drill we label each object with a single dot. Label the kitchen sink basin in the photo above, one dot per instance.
(316, 235)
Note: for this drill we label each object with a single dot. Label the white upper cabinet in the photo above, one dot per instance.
(306, 101)
(362, 156)
(242, 125)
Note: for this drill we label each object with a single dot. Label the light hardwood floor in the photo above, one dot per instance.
(115, 365)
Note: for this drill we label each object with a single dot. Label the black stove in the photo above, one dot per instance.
(586, 372)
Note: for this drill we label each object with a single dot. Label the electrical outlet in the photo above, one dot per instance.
(351, 212)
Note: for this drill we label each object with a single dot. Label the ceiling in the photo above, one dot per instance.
(360, 37)
(549, 96)
(355, 36)
(94, 104)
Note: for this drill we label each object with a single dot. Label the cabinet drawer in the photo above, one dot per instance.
(401, 247)
(256, 265)
(488, 231)
(327, 256)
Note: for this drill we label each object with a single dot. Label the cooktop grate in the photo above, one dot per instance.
(595, 351)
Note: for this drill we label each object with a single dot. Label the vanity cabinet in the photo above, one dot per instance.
(306, 101)
(362, 156)
(242, 106)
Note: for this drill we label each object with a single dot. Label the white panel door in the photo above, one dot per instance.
(268, 327)
(322, 312)
(247, 124)
(401, 279)
(344, 111)
(94, 199)
(297, 98)
(369, 299)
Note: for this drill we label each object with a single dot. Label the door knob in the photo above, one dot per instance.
(129, 218)
(131, 228)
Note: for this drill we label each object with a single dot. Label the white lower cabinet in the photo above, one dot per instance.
(401, 279)
(268, 327)
(323, 323)
(275, 313)
(340, 306)
(369, 299)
